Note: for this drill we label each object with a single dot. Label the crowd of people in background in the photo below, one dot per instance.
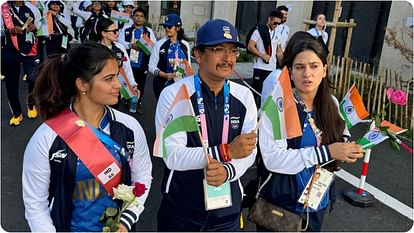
(82, 59)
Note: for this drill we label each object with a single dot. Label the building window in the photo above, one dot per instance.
(168, 7)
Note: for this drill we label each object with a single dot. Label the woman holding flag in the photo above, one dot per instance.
(107, 33)
(84, 148)
(169, 55)
(312, 135)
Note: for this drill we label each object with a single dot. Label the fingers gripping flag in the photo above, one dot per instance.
(352, 107)
(180, 118)
(280, 109)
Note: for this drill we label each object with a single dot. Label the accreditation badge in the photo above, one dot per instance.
(322, 181)
(64, 42)
(29, 37)
(217, 197)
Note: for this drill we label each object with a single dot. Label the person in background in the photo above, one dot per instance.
(289, 164)
(19, 46)
(89, 17)
(107, 33)
(60, 192)
(58, 41)
(109, 6)
(139, 58)
(168, 54)
(231, 145)
(282, 30)
(320, 28)
(264, 45)
(128, 7)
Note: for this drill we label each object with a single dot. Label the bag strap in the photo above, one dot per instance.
(105, 168)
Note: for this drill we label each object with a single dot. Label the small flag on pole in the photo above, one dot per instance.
(352, 107)
(180, 118)
(280, 109)
(117, 16)
(145, 44)
(371, 139)
(127, 91)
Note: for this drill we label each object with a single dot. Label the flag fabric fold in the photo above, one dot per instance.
(180, 118)
(117, 16)
(127, 91)
(371, 139)
(352, 107)
(145, 44)
(280, 109)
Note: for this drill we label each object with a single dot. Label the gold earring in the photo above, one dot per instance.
(83, 92)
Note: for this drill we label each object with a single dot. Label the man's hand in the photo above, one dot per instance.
(243, 145)
(16, 30)
(266, 58)
(31, 27)
(216, 173)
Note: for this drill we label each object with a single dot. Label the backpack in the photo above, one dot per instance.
(248, 36)
(264, 34)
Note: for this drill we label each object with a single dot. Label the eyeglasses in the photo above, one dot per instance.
(221, 50)
(113, 30)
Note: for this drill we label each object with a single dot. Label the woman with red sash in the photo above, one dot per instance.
(84, 148)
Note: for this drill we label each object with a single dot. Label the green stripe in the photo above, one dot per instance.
(270, 109)
(144, 48)
(365, 143)
(344, 115)
(180, 124)
(124, 93)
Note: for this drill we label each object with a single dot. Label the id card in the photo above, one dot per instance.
(29, 37)
(64, 42)
(217, 197)
(320, 186)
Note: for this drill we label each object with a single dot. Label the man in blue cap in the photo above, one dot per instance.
(226, 115)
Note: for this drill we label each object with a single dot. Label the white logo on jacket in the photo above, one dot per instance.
(235, 122)
(59, 155)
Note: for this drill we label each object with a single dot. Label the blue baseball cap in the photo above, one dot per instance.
(172, 20)
(217, 31)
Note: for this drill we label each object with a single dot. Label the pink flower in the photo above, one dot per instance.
(398, 97)
(139, 189)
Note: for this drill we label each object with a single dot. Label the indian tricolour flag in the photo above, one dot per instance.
(180, 118)
(145, 44)
(371, 139)
(352, 107)
(280, 109)
(127, 91)
(46, 22)
(119, 16)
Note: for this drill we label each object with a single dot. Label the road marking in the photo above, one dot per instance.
(378, 194)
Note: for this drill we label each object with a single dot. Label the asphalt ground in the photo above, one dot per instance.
(389, 171)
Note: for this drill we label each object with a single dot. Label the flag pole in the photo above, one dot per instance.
(199, 133)
(360, 197)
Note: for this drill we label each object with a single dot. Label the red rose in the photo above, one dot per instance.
(139, 189)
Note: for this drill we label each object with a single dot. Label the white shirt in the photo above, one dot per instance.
(283, 31)
(316, 33)
(258, 62)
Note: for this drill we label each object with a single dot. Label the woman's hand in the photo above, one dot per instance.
(346, 152)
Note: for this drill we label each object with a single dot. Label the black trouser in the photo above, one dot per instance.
(140, 76)
(258, 77)
(11, 69)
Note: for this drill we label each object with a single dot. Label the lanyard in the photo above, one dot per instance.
(105, 139)
(317, 31)
(315, 129)
(201, 110)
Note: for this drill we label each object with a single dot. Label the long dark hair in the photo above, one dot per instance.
(326, 111)
(55, 86)
(101, 25)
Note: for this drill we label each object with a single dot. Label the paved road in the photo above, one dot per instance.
(391, 172)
